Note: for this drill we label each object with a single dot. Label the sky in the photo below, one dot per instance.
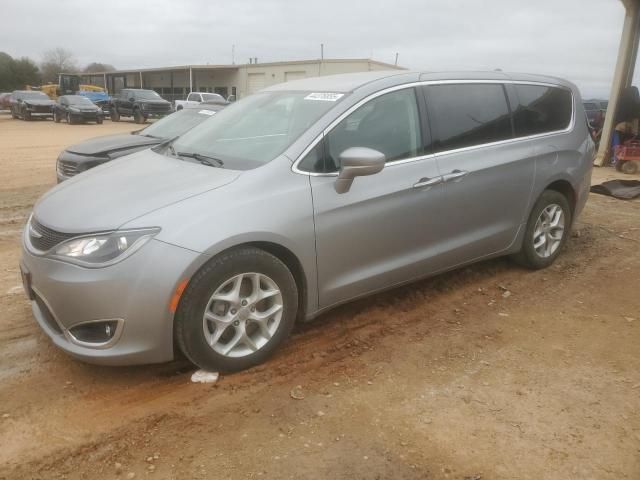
(573, 39)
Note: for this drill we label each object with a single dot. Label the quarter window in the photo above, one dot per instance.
(542, 109)
(389, 123)
(465, 115)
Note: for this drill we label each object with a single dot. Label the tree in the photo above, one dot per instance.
(26, 72)
(17, 73)
(55, 61)
(97, 67)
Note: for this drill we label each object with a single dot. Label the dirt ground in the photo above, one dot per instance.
(489, 372)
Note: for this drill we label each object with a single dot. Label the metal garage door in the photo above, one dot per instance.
(256, 82)
(288, 76)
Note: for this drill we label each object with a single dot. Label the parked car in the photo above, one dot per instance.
(5, 101)
(299, 198)
(194, 98)
(76, 109)
(139, 104)
(29, 104)
(96, 151)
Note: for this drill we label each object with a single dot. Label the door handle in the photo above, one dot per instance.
(427, 182)
(454, 175)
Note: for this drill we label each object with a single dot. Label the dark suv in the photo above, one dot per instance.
(139, 104)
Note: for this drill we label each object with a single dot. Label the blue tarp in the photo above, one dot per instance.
(94, 96)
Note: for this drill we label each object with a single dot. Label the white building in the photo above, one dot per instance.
(240, 80)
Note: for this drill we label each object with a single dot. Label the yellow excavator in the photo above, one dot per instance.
(68, 84)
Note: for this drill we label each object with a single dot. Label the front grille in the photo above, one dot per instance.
(44, 238)
(68, 169)
(151, 107)
(42, 109)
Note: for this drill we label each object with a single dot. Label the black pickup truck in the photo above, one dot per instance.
(139, 104)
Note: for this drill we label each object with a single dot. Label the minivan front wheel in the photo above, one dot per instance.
(236, 310)
(546, 232)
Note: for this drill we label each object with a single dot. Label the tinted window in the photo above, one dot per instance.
(468, 114)
(590, 106)
(212, 97)
(542, 109)
(314, 160)
(389, 123)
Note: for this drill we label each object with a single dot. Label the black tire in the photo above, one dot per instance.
(138, 116)
(528, 257)
(629, 167)
(70, 119)
(56, 116)
(115, 115)
(189, 332)
(14, 115)
(619, 164)
(26, 116)
(180, 107)
(99, 120)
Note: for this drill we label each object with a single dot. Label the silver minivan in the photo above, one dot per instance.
(301, 197)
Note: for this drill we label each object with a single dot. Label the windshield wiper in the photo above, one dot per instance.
(203, 159)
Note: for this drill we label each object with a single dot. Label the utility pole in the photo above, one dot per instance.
(396, 64)
(322, 51)
(233, 54)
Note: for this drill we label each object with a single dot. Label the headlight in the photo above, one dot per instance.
(96, 251)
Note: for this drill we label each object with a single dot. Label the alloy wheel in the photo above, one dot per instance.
(549, 230)
(242, 315)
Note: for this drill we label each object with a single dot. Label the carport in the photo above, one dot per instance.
(623, 75)
(172, 83)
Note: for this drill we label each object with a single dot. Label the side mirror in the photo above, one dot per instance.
(132, 99)
(357, 162)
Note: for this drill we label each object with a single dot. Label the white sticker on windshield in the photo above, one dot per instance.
(324, 96)
(207, 112)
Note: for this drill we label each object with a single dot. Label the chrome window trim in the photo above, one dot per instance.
(327, 130)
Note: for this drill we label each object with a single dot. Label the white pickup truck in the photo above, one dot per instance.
(194, 98)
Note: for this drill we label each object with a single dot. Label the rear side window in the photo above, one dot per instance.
(464, 115)
(542, 109)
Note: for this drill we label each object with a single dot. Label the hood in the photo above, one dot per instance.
(103, 145)
(108, 196)
(37, 101)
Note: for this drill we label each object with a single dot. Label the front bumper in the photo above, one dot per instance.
(87, 116)
(135, 292)
(34, 113)
(149, 114)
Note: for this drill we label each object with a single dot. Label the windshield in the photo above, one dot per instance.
(177, 123)
(33, 95)
(78, 100)
(209, 97)
(256, 129)
(147, 95)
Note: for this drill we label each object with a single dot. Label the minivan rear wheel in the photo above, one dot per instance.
(546, 232)
(236, 310)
